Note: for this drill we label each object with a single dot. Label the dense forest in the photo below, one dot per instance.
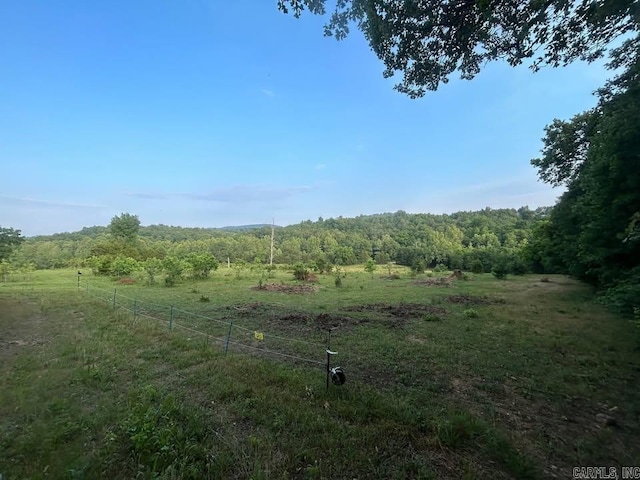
(481, 241)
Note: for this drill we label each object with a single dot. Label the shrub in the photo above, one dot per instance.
(623, 296)
(519, 267)
(301, 272)
(500, 271)
(471, 313)
(477, 267)
(123, 266)
(441, 267)
(419, 266)
(338, 281)
(201, 264)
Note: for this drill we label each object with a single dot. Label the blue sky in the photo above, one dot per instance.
(208, 113)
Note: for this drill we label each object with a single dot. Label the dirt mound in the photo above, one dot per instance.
(434, 282)
(457, 274)
(126, 281)
(323, 320)
(404, 310)
(295, 317)
(276, 287)
(473, 300)
(393, 276)
(326, 321)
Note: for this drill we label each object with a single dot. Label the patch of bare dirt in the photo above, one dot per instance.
(324, 321)
(126, 281)
(434, 282)
(277, 287)
(473, 300)
(21, 327)
(403, 310)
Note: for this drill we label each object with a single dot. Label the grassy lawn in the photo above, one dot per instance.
(476, 378)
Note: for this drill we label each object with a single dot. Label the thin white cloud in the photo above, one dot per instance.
(32, 202)
(268, 93)
(320, 166)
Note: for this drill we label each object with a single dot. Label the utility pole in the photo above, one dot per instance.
(273, 224)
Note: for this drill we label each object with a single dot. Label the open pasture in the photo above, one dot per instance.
(475, 378)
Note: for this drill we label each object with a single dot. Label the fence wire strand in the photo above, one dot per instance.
(111, 298)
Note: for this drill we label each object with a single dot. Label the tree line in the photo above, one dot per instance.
(465, 240)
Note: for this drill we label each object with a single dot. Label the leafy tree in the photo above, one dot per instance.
(500, 271)
(202, 264)
(5, 269)
(322, 266)
(100, 264)
(301, 272)
(125, 227)
(429, 40)
(565, 148)
(173, 268)
(419, 266)
(123, 266)
(370, 266)
(152, 267)
(9, 240)
(477, 267)
(590, 227)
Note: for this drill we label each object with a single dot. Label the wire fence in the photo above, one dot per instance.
(224, 333)
(227, 334)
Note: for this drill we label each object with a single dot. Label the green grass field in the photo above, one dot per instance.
(476, 378)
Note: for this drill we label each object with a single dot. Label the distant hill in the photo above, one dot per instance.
(244, 228)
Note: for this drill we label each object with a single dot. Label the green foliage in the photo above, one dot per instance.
(430, 317)
(125, 227)
(152, 267)
(500, 271)
(419, 265)
(173, 268)
(440, 268)
(477, 267)
(624, 295)
(201, 264)
(517, 266)
(454, 240)
(301, 272)
(5, 269)
(9, 240)
(590, 232)
(123, 267)
(164, 436)
(463, 36)
(240, 267)
(370, 266)
(100, 264)
(321, 265)
(471, 313)
(458, 429)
